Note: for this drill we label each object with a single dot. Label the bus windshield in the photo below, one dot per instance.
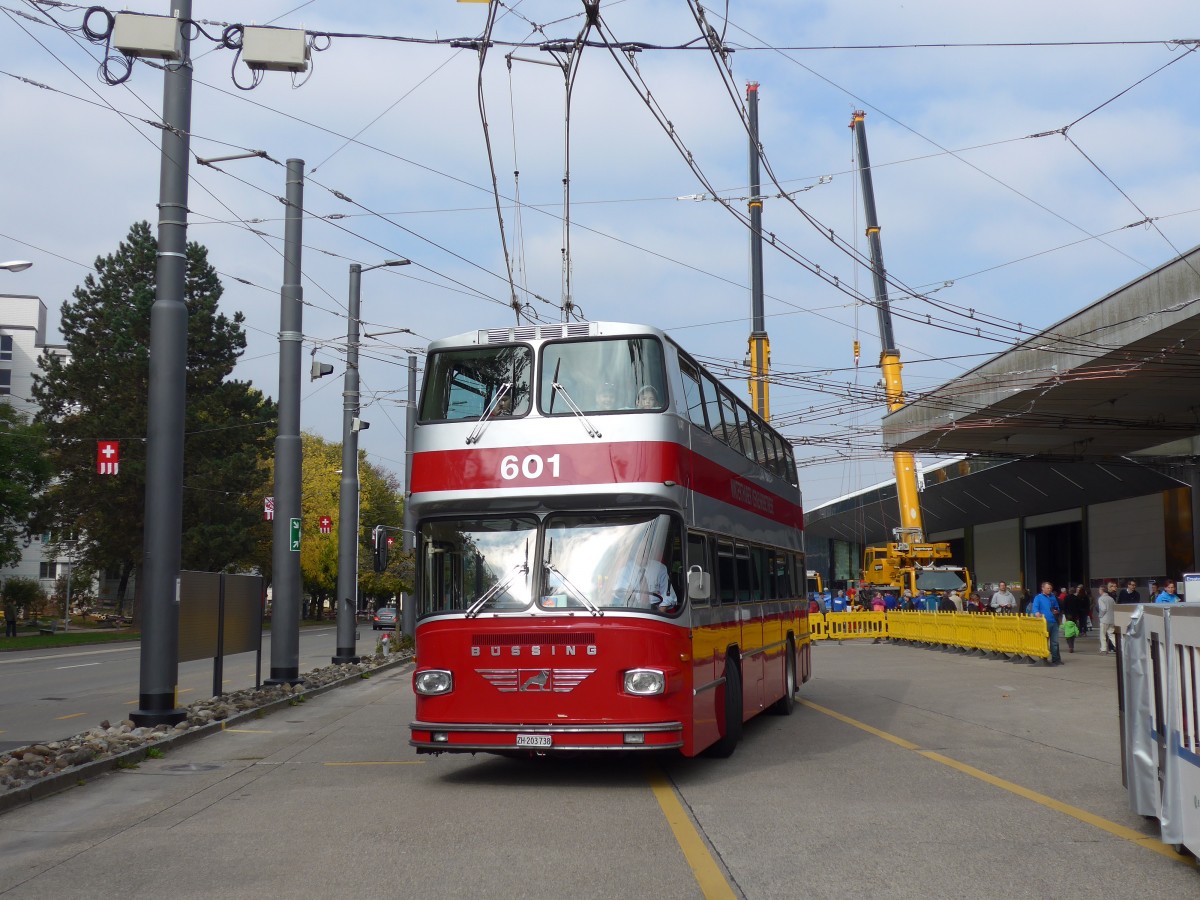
(484, 562)
(595, 561)
(463, 383)
(608, 375)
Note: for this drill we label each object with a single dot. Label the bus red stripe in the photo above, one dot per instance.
(576, 465)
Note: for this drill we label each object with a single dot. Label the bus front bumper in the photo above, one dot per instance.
(444, 737)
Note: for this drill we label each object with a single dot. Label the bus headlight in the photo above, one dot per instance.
(432, 682)
(645, 682)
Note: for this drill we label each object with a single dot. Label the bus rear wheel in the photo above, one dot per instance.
(731, 706)
(785, 704)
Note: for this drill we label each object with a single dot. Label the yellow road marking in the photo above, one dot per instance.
(383, 762)
(185, 690)
(708, 875)
(71, 716)
(1121, 831)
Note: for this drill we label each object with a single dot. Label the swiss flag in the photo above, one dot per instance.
(108, 457)
(326, 523)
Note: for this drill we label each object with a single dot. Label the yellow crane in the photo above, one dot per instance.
(909, 561)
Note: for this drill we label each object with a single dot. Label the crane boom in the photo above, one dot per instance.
(909, 561)
(889, 356)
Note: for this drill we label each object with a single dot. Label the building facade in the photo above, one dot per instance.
(23, 339)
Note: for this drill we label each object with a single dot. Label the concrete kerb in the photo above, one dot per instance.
(77, 775)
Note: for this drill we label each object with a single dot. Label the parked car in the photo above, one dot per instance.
(385, 618)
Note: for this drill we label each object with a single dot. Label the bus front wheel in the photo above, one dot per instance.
(731, 707)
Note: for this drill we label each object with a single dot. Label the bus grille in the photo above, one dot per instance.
(517, 639)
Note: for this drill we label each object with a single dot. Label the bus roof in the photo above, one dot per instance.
(548, 332)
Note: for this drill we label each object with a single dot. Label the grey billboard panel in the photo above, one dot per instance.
(243, 613)
(199, 599)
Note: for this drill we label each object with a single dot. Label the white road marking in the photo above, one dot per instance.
(77, 666)
(9, 662)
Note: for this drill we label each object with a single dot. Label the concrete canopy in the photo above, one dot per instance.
(968, 492)
(1120, 376)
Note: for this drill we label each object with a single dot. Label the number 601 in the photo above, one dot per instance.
(531, 466)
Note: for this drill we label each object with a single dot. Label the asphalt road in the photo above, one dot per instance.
(903, 773)
(50, 694)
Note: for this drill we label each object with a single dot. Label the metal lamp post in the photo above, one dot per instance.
(347, 578)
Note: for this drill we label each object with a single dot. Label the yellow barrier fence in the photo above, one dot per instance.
(1008, 635)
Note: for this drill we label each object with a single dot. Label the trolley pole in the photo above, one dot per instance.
(759, 344)
(285, 530)
(348, 495)
(161, 549)
(347, 571)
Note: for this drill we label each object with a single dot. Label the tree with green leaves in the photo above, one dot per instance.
(380, 499)
(24, 473)
(99, 391)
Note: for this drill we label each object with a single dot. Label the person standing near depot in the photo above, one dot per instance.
(1003, 600)
(1045, 605)
(1168, 594)
(1106, 609)
(1129, 594)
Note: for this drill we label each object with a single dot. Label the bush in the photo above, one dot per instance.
(27, 594)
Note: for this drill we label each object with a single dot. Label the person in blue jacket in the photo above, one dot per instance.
(1168, 594)
(1045, 605)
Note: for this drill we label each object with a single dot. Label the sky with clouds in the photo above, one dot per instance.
(989, 209)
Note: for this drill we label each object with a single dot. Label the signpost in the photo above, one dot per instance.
(294, 532)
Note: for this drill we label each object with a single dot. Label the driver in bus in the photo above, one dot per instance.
(645, 585)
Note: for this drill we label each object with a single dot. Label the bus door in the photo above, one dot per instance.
(708, 644)
(775, 626)
(750, 606)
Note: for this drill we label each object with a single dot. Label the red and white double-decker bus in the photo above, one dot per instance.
(609, 548)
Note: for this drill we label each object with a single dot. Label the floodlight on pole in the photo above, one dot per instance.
(348, 506)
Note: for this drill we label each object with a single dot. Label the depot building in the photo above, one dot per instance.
(1073, 457)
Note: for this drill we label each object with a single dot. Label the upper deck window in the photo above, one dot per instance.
(606, 375)
(463, 382)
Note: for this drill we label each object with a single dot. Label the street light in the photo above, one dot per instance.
(347, 578)
(15, 265)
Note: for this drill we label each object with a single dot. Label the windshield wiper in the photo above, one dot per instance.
(498, 587)
(477, 431)
(591, 429)
(574, 591)
(521, 568)
(571, 589)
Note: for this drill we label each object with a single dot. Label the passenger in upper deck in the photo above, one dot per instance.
(606, 396)
(647, 398)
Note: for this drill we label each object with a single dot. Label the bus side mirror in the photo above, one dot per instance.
(699, 584)
(380, 540)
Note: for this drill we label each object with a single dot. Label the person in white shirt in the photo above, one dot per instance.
(1003, 600)
(646, 585)
(1106, 609)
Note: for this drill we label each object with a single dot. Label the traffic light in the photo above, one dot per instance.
(381, 541)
